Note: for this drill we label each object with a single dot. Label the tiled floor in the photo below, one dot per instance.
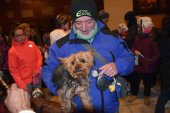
(138, 105)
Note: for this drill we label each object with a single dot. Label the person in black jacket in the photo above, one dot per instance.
(164, 66)
(131, 21)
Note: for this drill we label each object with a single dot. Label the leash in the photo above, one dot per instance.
(145, 58)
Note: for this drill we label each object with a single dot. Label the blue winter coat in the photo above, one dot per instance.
(104, 44)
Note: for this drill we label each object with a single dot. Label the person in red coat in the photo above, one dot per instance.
(147, 55)
(25, 61)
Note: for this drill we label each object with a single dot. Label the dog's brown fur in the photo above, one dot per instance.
(46, 103)
(73, 74)
(43, 105)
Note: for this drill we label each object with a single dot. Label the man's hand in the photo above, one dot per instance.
(136, 52)
(108, 69)
(17, 99)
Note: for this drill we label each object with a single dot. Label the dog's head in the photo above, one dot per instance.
(79, 64)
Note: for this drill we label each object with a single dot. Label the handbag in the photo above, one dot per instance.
(119, 84)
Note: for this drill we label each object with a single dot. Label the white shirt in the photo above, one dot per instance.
(57, 34)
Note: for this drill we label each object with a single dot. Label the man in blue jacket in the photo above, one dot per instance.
(87, 29)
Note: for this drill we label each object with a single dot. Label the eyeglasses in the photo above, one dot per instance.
(18, 35)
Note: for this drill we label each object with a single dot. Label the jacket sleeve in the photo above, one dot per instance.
(49, 67)
(14, 70)
(124, 58)
(38, 59)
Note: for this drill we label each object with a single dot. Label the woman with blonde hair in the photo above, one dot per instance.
(63, 21)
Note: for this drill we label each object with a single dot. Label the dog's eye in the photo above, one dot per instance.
(72, 63)
(82, 60)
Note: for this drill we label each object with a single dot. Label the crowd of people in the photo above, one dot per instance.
(134, 50)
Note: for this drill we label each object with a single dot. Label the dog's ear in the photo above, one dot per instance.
(62, 60)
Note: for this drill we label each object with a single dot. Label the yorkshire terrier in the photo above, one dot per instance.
(72, 76)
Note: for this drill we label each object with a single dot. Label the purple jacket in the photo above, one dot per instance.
(150, 52)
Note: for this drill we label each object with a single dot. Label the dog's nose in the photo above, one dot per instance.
(78, 68)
